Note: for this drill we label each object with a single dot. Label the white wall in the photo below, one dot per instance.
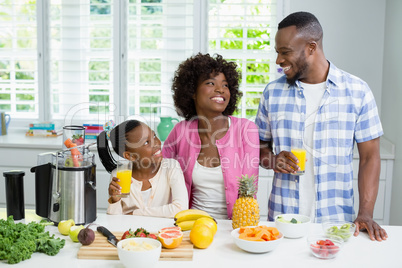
(392, 99)
(353, 36)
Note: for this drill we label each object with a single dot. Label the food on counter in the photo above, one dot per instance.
(137, 246)
(140, 232)
(190, 215)
(169, 229)
(259, 233)
(185, 219)
(185, 225)
(18, 240)
(211, 223)
(293, 220)
(201, 235)
(324, 249)
(64, 226)
(343, 232)
(170, 237)
(74, 231)
(245, 210)
(188, 225)
(86, 236)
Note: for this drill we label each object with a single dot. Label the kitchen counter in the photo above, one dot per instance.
(359, 251)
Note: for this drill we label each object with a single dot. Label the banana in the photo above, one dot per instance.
(190, 215)
(185, 225)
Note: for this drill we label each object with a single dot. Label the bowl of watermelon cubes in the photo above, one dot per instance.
(257, 239)
(324, 247)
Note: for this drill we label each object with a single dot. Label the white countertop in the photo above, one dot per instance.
(357, 252)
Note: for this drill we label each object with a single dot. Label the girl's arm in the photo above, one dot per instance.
(117, 205)
(179, 196)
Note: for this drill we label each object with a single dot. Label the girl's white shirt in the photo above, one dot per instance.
(168, 194)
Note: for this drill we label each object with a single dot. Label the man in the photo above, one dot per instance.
(329, 110)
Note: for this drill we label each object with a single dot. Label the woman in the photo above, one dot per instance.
(213, 148)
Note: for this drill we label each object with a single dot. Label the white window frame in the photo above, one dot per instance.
(120, 55)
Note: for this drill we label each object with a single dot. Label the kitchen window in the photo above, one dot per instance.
(77, 61)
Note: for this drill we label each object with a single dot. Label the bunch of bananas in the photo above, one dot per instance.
(185, 219)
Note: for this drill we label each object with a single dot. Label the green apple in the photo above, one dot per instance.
(64, 226)
(74, 231)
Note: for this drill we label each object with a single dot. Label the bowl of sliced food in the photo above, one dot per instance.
(324, 247)
(341, 229)
(141, 251)
(257, 239)
(292, 225)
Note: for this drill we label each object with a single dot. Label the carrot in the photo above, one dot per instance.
(75, 153)
(259, 233)
(68, 143)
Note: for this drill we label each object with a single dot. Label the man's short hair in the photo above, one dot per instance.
(306, 24)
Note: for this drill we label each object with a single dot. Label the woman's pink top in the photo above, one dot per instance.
(239, 153)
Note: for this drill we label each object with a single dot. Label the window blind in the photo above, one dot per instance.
(244, 31)
(160, 36)
(18, 59)
(81, 59)
(103, 59)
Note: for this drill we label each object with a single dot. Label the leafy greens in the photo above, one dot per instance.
(18, 240)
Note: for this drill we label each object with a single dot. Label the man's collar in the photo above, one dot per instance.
(332, 77)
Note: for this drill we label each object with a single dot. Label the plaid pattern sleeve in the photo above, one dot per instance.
(264, 129)
(347, 113)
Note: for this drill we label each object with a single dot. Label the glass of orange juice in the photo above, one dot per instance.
(124, 171)
(298, 150)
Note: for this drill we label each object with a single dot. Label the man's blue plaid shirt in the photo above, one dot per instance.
(347, 113)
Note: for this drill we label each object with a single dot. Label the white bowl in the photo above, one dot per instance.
(146, 258)
(255, 246)
(293, 230)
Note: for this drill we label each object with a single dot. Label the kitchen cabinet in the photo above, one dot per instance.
(20, 152)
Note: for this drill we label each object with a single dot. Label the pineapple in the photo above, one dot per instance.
(245, 210)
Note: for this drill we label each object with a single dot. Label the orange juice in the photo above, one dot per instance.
(301, 156)
(125, 181)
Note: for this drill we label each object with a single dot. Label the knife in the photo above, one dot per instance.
(110, 237)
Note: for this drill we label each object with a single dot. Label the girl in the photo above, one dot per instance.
(157, 185)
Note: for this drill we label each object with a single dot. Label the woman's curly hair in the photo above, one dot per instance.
(196, 69)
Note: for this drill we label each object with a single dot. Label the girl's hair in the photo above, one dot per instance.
(197, 69)
(118, 138)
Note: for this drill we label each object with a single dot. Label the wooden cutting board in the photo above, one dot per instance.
(101, 249)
